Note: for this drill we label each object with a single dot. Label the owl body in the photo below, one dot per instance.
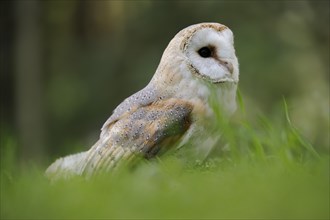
(199, 65)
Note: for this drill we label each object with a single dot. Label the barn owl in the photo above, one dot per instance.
(173, 109)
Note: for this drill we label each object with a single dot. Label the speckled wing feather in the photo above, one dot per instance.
(142, 98)
(143, 132)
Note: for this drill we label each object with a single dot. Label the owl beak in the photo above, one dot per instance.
(228, 65)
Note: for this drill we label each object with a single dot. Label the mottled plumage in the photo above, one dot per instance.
(199, 63)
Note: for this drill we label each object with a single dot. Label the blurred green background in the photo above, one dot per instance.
(65, 65)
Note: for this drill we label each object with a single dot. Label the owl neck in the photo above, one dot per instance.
(176, 81)
(206, 96)
(222, 98)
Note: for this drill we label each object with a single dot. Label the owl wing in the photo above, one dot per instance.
(143, 132)
(142, 98)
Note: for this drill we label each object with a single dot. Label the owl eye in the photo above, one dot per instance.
(205, 52)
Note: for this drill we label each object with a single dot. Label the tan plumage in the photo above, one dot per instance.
(173, 108)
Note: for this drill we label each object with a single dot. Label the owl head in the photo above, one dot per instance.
(204, 50)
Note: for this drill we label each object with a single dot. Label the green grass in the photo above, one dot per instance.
(270, 172)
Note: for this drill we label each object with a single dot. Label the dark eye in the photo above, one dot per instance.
(205, 52)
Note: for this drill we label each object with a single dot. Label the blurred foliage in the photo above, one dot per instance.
(244, 191)
(90, 55)
(269, 172)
